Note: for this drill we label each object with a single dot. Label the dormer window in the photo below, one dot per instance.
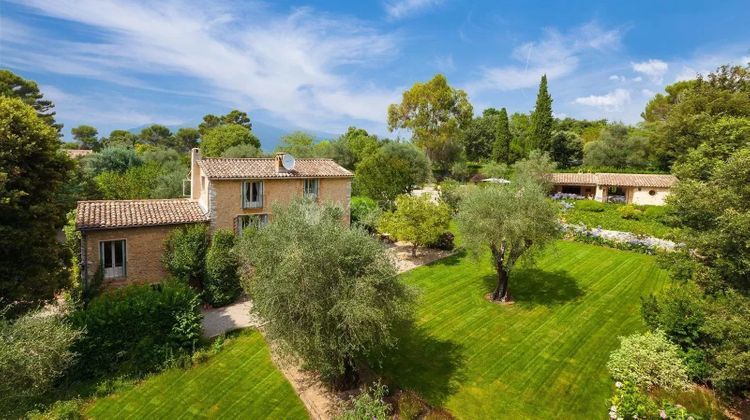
(252, 194)
(311, 188)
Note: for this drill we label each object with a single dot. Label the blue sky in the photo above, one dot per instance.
(328, 65)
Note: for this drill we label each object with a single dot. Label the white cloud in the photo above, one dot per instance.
(444, 63)
(555, 55)
(399, 9)
(611, 101)
(294, 66)
(637, 79)
(654, 69)
(648, 93)
(616, 78)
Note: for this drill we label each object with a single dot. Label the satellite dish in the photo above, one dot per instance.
(287, 161)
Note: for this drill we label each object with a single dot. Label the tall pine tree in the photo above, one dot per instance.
(541, 119)
(503, 137)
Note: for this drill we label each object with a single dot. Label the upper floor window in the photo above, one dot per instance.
(252, 194)
(112, 257)
(311, 188)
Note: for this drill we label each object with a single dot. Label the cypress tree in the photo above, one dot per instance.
(503, 137)
(541, 119)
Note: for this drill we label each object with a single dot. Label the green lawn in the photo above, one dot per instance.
(542, 357)
(610, 219)
(238, 382)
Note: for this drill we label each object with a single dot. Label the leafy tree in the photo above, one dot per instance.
(365, 212)
(136, 183)
(35, 351)
(235, 117)
(15, 86)
(520, 128)
(480, 134)
(217, 140)
(170, 170)
(514, 221)
(222, 284)
(648, 361)
(536, 167)
(112, 159)
(676, 119)
(369, 404)
(435, 113)
(186, 138)
(501, 146)
(395, 169)
(585, 129)
(617, 147)
(417, 220)
(542, 122)
(298, 144)
(566, 149)
(156, 135)
(329, 294)
(185, 253)
(242, 151)
(33, 171)
(86, 136)
(121, 138)
(353, 146)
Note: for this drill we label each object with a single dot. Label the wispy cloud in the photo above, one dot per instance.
(399, 9)
(611, 101)
(444, 63)
(556, 54)
(291, 65)
(653, 69)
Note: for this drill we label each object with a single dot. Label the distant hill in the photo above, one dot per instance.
(269, 135)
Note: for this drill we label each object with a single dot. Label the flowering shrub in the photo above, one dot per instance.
(564, 196)
(649, 360)
(629, 402)
(580, 233)
(617, 199)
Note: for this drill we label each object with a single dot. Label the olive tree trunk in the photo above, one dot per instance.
(502, 291)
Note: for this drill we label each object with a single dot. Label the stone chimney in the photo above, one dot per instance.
(195, 174)
(277, 162)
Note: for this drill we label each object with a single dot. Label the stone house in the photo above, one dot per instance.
(642, 189)
(125, 238)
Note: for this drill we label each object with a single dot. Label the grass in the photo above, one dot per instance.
(542, 357)
(239, 382)
(610, 219)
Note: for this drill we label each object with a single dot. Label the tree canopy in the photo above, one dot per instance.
(542, 122)
(217, 140)
(417, 220)
(86, 136)
(15, 86)
(396, 168)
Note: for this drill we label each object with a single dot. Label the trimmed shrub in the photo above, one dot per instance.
(444, 242)
(648, 360)
(222, 283)
(35, 350)
(137, 329)
(368, 405)
(590, 205)
(630, 212)
(185, 254)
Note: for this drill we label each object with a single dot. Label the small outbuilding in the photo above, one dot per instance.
(643, 189)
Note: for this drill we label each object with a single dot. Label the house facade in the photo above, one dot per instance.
(125, 238)
(641, 189)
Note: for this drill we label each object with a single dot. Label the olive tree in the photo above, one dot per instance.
(514, 221)
(417, 220)
(329, 294)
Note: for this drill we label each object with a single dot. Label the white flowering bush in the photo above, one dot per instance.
(648, 360)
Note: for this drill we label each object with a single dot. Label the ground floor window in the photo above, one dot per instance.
(112, 256)
(311, 188)
(251, 220)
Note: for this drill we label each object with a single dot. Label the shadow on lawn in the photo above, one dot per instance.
(454, 259)
(430, 366)
(532, 286)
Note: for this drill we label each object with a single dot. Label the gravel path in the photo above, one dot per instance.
(217, 321)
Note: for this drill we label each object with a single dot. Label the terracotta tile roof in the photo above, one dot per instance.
(636, 180)
(111, 214)
(573, 178)
(240, 168)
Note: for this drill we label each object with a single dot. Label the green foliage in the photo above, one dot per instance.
(618, 147)
(417, 220)
(137, 328)
(395, 169)
(235, 117)
(222, 284)
(112, 159)
(86, 136)
(186, 138)
(60, 410)
(159, 175)
(369, 404)
(156, 135)
(15, 86)
(242, 151)
(35, 351)
(520, 128)
(33, 171)
(514, 221)
(121, 138)
(353, 146)
(329, 294)
(450, 193)
(365, 212)
(629, 401)
(648, 361)
(298, 144)
(566, 149)
(435, 113)
(536, 167)
(185, 253)
(217, 140)
(542, 123)
(629, 211)
(590, 205)
(479, 135)
(501, 147)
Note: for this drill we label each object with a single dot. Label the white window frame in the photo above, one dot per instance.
(311, 188)
(247, 204)
(255, 220)
(114, 272)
